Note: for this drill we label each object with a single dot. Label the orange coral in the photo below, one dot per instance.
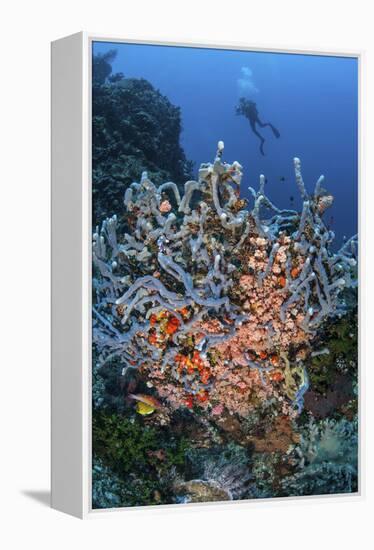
(295, 272)
(152, 338)
(274, 360)
(189, 401)
(276, 376)
(172, 325)
(246, 365)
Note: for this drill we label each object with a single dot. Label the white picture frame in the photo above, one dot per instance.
(71, 269)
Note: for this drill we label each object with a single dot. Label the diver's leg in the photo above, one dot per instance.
(259, 137)
(274, 130)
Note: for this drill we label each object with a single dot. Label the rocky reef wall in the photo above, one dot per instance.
(135, 128)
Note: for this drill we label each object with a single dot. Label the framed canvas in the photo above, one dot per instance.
(205, 288)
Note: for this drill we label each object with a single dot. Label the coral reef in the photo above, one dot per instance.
(224, 343)
(107, 487)
(215, 302)
(133, 462)
(222, 474)
(327, 459)
(135, 128)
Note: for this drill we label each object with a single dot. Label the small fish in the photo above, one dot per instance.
(282, 178)
(291, 199)
(146, 404)
(144, 409)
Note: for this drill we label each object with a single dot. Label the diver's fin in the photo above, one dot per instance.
(275, 131)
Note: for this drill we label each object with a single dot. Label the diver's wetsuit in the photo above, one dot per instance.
(249, 110)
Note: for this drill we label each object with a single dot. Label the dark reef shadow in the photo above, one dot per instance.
(43, 497)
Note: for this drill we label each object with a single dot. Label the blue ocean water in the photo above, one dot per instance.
(312, 100)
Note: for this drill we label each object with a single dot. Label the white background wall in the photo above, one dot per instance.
(27, 27)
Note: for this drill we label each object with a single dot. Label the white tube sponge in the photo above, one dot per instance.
(189, 187)
(318, 190)
(166, 186)
(299, 178)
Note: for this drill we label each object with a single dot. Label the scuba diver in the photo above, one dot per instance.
(248, 109)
